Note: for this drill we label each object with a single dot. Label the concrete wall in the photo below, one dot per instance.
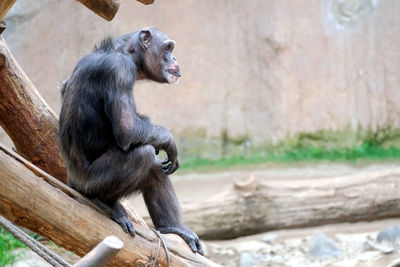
(253, 71)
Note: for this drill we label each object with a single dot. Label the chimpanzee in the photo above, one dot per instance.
(108, 148)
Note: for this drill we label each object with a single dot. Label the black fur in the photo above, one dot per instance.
(108, 148)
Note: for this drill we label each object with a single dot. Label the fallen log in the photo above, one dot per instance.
(254, 207)
(46, 208)
(26, 117)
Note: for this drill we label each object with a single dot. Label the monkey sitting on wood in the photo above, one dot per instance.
(108, 148)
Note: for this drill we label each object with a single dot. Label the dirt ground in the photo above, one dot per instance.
(356, 241)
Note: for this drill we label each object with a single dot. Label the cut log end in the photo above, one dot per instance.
(146, 2)
(247, 185)
(113, 242)
(104, 8)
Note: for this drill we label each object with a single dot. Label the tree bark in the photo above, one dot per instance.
(26, 117)
(5, 5)
(278, 204)
(29, 201)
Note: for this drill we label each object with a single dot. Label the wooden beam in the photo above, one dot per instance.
(26, 117)
(5, 5)
(259, 206)
(146, 2)
(102, 253)
(132, 213)
(29, 201)
(104, 8)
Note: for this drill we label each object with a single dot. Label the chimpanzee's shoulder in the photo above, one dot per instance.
(102, 61)
(106, 45)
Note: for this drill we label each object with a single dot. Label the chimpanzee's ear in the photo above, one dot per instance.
(145, 39)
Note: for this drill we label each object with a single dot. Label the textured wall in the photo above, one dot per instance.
(255, 70)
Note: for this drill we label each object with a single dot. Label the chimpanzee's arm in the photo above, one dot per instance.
(119, 105)
(131, 130)
(128, 128)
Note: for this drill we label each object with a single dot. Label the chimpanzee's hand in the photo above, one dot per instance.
(170, 167)
(188, 235)
(163, 140)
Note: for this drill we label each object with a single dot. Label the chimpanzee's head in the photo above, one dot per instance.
(155, 59)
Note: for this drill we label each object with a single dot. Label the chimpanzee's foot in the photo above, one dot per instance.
(125, 223)
(188, 235)
(118, 214)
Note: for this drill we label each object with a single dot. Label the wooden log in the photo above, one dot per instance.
(102, 253)
(107, 9)
(5, 5)
(104, 8)
(146, 2)
(27, 119)
(256, 206)
(29, 201)
(132, 213)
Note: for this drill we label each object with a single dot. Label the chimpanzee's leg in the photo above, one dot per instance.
(164, 209)
(116, 174)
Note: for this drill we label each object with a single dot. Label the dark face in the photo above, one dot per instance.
(159, 62)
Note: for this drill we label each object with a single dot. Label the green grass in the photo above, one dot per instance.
(369, 151)
(8, 243)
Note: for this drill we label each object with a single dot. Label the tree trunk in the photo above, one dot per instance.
(26, 117)
(255, 207)
(29, 201)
